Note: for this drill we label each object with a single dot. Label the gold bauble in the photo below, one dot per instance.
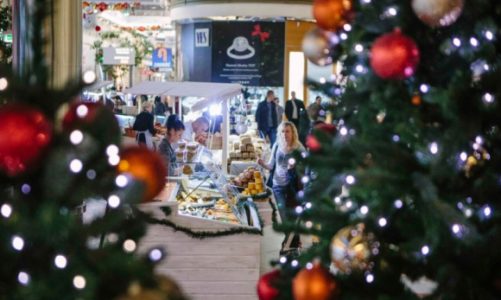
(350, 249)
(437, 13)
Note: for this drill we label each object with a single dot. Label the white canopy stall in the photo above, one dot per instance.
(209, 93)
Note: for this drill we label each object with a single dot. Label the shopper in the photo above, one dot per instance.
(144, 126)
(315, 110)
(284, 179)
(266, 118)
(160, 107)
(293, 109)
(280, 110)
(175, 129)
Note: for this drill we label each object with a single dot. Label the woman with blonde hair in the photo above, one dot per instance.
(283, 174)
(144, 126)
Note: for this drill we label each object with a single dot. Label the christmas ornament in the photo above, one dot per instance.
(326, 127)
(350, 249)
(95, 119)
(265, 288)
(98, 28)
(312, 143)
(394, 56)
(437, 13)
(319, 46)
(24, 135)
(416, 100)
(314, 284)
(332, 14)
(146, 166)
(423, 287)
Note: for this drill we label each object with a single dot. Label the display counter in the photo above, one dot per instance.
(206, 265)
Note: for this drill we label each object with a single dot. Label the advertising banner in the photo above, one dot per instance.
(162, 58)
(249, 53)
(118, 56)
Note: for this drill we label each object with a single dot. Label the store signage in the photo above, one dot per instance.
(162, 58)
(118, 56)
(249, 53)
(6, 37)
(202, 37)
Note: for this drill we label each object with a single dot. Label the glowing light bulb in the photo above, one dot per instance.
(487, 211)
(343, 36)
(456, 42)
(343, 131)
(309, 224)
(398, 204)
(89, 77)
(129, 246)
(369, 278)
(294, 263)
(155, 255)
(308, 205)
(79, 282)
(17, 243)
(392, 11)
(364, 210)
(489, 35)
(359, 48)
(121, 181)
(299, 210)
(60, 261)
(424, 88)
(463, 156)
(82, 111)
(26, 189)
(382, 222)
(347, 27)
(113, 201)
(23, 278)
(3, 83)
(112, 150)
(433, 148)
(283, 259)
(309, 266)
(305, 179)
(6, 210)
(473, 42)
(350, 179)
(360, 69)
(76, 166)
(76, 137)
(488, 98)
(425, 250)
(456, 229)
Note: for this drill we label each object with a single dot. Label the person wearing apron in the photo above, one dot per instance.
(143, 125)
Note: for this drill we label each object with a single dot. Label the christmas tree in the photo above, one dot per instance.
(403, 200)
(57, 154)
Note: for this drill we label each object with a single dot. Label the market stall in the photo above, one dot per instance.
(198, 96)
(213, 236)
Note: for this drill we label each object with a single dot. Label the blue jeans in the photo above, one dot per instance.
(271, 132)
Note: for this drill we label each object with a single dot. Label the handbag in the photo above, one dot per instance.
(269, 182)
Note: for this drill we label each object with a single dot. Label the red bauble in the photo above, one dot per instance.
(265, 288)
(327, 128)
(24, 135)
(332, 14)
(145, 166)
(314, 284)
(312, 143)
(95, 119)
(394, 56)
(81, 113)
(98, 28)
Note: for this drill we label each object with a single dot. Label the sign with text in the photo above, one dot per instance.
(118, 56)
(202, 37)
(249, 53)
(162, 58)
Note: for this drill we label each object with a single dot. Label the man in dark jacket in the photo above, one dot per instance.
(293, 109)
(266, 118)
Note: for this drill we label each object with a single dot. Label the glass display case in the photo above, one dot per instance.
(207, 193)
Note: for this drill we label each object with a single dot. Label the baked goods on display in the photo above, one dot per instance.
(187, 170)
(251, 180)
(192, 146)
(181, 145)
(246, 148)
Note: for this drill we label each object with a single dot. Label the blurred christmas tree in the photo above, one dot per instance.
(417, 153)
(50, 166)
(5, 26)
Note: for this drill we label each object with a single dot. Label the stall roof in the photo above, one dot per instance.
(98, 85)
(207, 90)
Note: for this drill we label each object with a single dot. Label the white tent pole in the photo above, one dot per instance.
(225, 131)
